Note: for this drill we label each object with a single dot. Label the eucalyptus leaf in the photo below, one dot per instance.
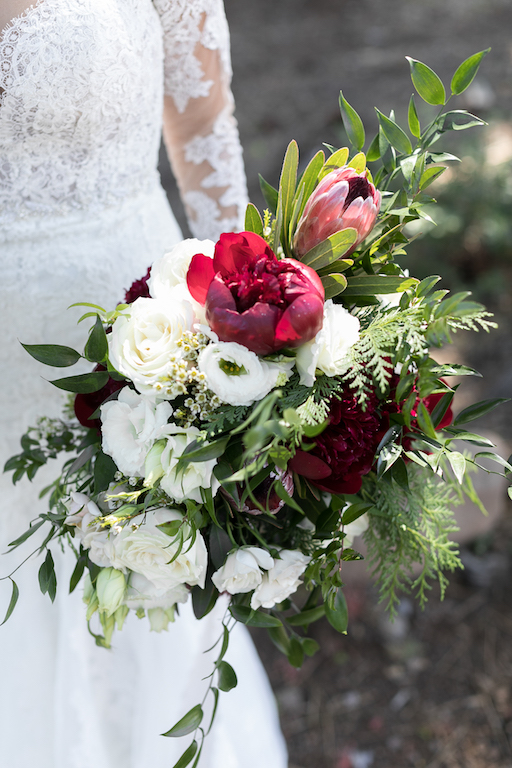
(428, 85)
(54, 355)
(84, 383)
(227, 676)
(465, 73)
(187, 756)
(187, 724)
(353, 124)
(12, 604)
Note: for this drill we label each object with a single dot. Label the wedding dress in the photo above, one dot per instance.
(82, 214)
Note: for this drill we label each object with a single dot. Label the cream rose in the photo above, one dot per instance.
(242, 570)
(281, 580)
(144, 548)
(327, 351)
(130, 426)
(145, 342)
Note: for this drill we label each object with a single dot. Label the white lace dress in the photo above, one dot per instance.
(82, 214)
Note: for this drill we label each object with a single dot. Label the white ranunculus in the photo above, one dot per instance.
(110, 589)
(144, 343)
(237, 376)
(144, 548)
(242, 570)
(144, 594)
(357, 528)
(327, 351)
(162, 463)
(83, 511)
(171, 270)
(281, 580)
(130, 426)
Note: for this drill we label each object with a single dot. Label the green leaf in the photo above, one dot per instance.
(251, 618)
(431, 174)
(187, 724)
(338, 616)
(337, 160)
(354, 512)
(413, 119)
(53, 354)
(187, 756)
(426, 82)
(12, 604)
(47, 577)
(206, 452)
(458, 464)
(373, 153)
(458, 120)
(104, 472)
(394, 134)
(310, 646)
(477, 410)
(253, 220)
(227, 676)
(96, 349)
(309, 178)
(353, 124)
(77, 574)
(372, 285)
(295, 653)
(280, 639)
(269, 194)
(465, 74)
(285, 496)
(469, 437)
(334, 284)
(304, 618)
(441, 407)
(426, 285)
(28, 533)
(82, 384)
(494, 457)
(331, 249)
(287, 187)
(358, 162)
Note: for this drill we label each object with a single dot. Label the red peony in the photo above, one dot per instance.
(345, 451)
(138, 289)
(253, 298)
(86, 405)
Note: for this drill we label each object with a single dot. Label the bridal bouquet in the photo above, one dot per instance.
(258, 402)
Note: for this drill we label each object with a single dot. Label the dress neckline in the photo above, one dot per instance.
(25, 14)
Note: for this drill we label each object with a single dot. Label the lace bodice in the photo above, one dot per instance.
(82, 86)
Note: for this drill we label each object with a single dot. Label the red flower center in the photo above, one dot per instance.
(265, 281)
(357, 187)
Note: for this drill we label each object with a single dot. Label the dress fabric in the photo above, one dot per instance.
(82, 214)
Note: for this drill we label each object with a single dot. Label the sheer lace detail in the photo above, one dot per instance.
(200, 130)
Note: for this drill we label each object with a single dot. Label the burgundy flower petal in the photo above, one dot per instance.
(309, 466)
(199, 276)
(300, 322)
(253, 328)
(235, 250)
(303, 279)
(219, 297)
(349, 484)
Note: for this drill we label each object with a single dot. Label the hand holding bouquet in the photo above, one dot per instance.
(258, 402)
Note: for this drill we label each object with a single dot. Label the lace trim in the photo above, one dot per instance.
(186, 24)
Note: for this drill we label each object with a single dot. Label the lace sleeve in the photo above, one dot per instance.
(200, 131)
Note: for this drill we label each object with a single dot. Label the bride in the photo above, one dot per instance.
(82, 214)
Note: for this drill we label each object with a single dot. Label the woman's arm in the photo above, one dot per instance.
(200, 131)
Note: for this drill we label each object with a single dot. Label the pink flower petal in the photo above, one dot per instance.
(234, 250)
(199, 276)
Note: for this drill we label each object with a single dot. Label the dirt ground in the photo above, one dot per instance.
(433, 689)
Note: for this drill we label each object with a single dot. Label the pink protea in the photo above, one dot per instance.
(344, 198)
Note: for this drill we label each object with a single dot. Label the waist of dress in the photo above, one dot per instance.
(55, 220)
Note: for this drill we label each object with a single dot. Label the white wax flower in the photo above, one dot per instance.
(162, 461)
(144, 594)
(83, 511)
(242, 570)
(237, 376)
(357, 528)
(281, 580)
(110, 589)
(130, 426)
(144, 548)
(327, 351)
(145, 342)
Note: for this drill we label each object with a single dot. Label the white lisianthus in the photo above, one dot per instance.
(162, 462)
(144, 594)
(242, 570)
(356, 528)
(83, 511)
(159, 618)
(110, 589)
(145, 343)
(237, 376)
(144, 548)
(281, 580)
(327, 351)
(130, 426)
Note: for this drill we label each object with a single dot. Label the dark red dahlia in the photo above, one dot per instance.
(138, 289)
(345, 451)
(86, 405)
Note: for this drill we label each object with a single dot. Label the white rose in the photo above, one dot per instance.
(144, 594)
(130, 426)
(281, 580)
(144, 343)
(144, 548)
(237, 376)
(327, 351)
(357, 528)
(242, 570)
(110, 589)
(162, 463)
(94, 538)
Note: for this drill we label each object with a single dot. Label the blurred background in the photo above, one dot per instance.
(431, 690)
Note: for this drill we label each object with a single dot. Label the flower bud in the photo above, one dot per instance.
(110, 588)
(343, 199)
